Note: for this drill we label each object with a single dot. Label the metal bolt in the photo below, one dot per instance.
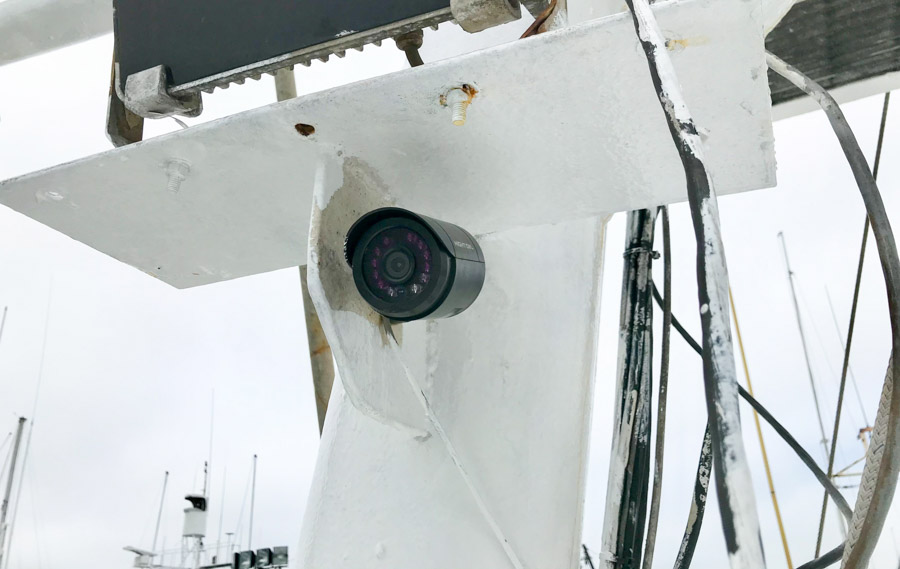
(177, 171)
(458, 101)
(459, 112)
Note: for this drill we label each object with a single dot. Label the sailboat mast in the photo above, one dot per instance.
(812, 382)
(4, 506)
(162, 501)
(252, 505)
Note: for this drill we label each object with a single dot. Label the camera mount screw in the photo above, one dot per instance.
(177, 171)
(459, 99)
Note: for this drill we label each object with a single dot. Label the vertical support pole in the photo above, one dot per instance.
(320, 358)
(629, 468)
(4, 506)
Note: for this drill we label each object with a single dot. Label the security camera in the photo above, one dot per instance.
(408, 266)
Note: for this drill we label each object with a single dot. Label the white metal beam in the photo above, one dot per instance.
(32, 27)
(560, 129)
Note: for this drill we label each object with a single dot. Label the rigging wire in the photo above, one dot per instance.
(38, 527)
(6, 460)
(880, 473)
(702, 479)
(3, 322)
(238, 532)
(656, 493)
(837, 329)
(854, 305)
(804, 456)
(37, 394)
(832, 375)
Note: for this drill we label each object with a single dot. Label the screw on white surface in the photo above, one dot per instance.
(177, 171)
(459, 113)
(458, 101)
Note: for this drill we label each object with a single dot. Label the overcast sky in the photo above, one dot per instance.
(132, 366)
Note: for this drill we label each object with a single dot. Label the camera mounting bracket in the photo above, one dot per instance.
(471, 414)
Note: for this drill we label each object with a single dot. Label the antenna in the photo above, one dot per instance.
(162, 500)
(221, 513)
(3, 321)
(252, 505)
(207, 484)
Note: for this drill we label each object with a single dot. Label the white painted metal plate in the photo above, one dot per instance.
(510, 380)
(565, 125)
(32, 27)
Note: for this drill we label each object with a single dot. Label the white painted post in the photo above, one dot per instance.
(467, 446)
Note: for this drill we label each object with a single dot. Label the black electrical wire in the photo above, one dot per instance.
(656, 493)
(698, 505)
(635, 392)
(804, 456)
(883, 464)
(830, 558)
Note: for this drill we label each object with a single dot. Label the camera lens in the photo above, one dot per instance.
(408, 266)
(398, 266)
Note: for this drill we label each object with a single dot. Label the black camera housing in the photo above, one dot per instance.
(408, 266)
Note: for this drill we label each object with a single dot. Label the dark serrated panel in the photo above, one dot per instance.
(836, 42)
(196, 39)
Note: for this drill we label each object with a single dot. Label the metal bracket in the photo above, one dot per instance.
(477, 15)
(146, 94)
(122, 126)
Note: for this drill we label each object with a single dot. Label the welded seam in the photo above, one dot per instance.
(457, 461)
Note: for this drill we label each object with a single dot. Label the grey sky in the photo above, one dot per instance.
(131, 364)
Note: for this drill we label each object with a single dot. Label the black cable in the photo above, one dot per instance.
(883, 463)
(587, 556)
(804, 456)
(656, 493)
(853, 307)
(635, 394)
(740, 525)
(830, 558)
(698, 504)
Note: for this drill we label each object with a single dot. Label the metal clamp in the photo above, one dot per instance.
(477, 15)
(146, 94)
